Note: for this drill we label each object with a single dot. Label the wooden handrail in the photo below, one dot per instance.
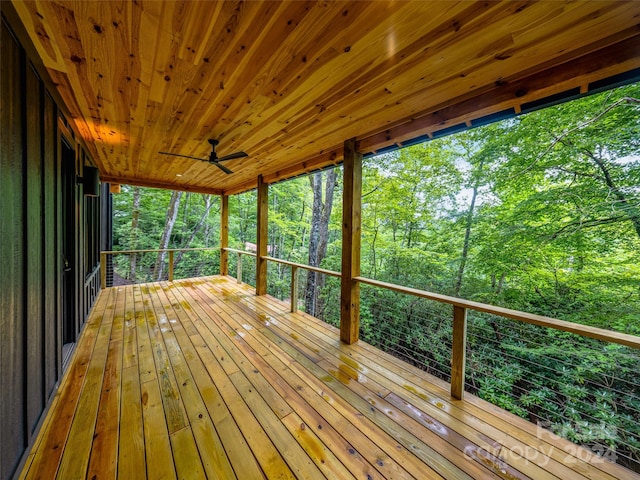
(584, 330)
(303, 266)
(540, 320)
(241, 252)
(157, 250)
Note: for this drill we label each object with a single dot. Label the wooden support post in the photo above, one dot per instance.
(458, 351)
(171, 265)
(224, 234)
(262, 237)
(294, 289)
(351, 217)
(103, 270)
(239, 273)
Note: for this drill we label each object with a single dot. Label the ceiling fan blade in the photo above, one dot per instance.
(222, 167)
(183, 156)
(213, 159)
(232, 156)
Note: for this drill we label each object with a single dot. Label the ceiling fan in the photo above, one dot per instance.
(213, 157)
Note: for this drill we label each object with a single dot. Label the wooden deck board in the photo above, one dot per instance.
(202, 379)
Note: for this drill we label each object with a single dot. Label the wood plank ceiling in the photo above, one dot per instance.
(289, 81)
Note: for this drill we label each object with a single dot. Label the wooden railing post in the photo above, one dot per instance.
(103, 270)
(458, 351)
(224, 234)
(239, 274)
(171, 265)
(351, 218)
(294, 289)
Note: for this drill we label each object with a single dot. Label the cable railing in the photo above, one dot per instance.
(325, 297)
(415, 330)
(127, 267)
(241, 264)
(583, 389)
(574, 381)
(294, 297)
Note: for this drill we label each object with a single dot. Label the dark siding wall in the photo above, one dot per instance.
(51, 244)
(31, 225)
(34, 251)
(12, 255)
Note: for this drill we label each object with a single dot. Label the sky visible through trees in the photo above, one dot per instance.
(539, 213)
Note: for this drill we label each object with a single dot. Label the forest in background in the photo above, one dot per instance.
(539, 213)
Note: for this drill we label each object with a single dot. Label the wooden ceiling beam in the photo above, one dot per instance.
(325, 159)
(164, 186)
(242, 187)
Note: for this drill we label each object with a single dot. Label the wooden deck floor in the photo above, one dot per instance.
(201, 379)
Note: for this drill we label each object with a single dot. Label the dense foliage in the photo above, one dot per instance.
(539, 213)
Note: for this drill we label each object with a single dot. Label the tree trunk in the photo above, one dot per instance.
(207, 204)
(207, 231)
(133, 245)
(374, 270)
(409, 227)
(627, 207)
(465, 245)
(301, 238)
(315, 180)
(324, 235)
(467, 231)
(318, 235)
(172, 215)
(186, 209)
(498, 288)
